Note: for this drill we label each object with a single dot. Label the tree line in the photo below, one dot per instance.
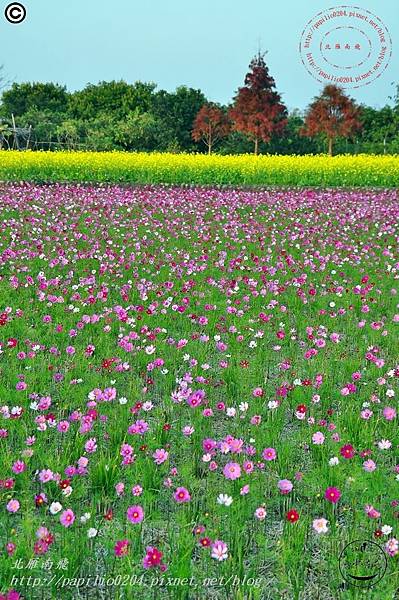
(117, 115)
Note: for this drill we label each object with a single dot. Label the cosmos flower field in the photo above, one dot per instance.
(198, 391)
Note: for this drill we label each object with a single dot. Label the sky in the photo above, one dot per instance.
(206, 45)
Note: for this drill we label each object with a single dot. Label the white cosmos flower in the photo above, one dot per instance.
(55, 507)
(84, 518)
(224, 499)
(384, 444)
(92, 532)
(386, 529)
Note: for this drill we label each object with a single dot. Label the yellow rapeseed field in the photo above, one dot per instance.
(201, 169)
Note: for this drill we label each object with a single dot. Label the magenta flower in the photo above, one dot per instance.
(332, 494)
(19, 467)
(121, 547)
(182, 495)
(135, 514)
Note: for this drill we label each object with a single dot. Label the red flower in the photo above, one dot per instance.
(40, 547)
(292, 516)
(301, 408)
(347, 451)
(109, 515)
(205, 542)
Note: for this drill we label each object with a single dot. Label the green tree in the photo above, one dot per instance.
(100, 135)
(177, 111)
(380, 128)
(69, 133)
(138, 131)
(44, 125)
(24, 97)
(111, 97)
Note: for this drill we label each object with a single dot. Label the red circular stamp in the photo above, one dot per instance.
(346, 45)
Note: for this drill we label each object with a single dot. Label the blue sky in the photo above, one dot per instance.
(206, 44)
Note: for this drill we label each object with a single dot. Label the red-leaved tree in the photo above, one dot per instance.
(333, 114)
(258, 111)
(210, 125)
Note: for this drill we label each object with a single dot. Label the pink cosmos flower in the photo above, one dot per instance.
(182, 495)
(19, 467)
(45, 475)
(160, 456)
(137, 490)
(232, 470)
(318, 438)
(135, 514)
(269, 454)
(285, 486)
(120, 488)
(67, 517)
(260, 513)
(369, 465)
(63, 426)
(219, 550)
(392, 547)
(91, 445)
(13, 506)
(371, 512)
(389, 413)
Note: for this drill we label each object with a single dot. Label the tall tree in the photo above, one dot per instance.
(23, 97)
(210, 125)
(111, 97)
(258, 111)
(178, 110)
(333, 114)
